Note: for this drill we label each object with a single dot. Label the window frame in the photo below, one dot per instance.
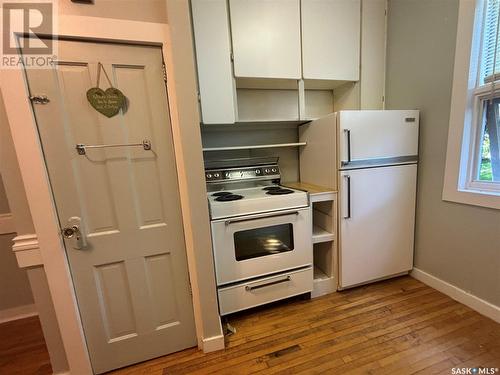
(465, 127)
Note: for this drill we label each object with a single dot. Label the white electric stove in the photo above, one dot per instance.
(261, 234)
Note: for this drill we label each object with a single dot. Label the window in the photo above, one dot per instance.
(472, 173)
(484, 161)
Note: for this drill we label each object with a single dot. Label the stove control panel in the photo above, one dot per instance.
(238, 174)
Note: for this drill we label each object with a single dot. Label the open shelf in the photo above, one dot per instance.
(319, 274)
(249, 147)
(321, 235)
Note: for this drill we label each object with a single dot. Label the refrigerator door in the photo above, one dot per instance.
(377, 137)
(377, 220)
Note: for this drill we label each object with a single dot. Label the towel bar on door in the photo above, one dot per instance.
(82, 149)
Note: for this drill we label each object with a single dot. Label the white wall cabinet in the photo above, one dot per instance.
(331, 39)
(213, 54)
(373, 41)
(266, 38)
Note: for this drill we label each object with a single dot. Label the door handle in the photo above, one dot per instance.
(73, 231)
(229, 222)
(348, 134)
(249, 288)
(348, 180)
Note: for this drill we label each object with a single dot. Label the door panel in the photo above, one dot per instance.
(377, 240)
(378, 134)
(331, 39)
(131, 281)
(266, 38)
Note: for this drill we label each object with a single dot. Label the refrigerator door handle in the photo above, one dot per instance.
(348, 180)
(348, 134)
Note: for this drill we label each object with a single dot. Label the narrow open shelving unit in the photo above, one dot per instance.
(324, 213)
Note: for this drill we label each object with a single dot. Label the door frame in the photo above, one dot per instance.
(39, 195)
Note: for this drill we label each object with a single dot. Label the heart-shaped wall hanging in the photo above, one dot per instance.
(107, 102)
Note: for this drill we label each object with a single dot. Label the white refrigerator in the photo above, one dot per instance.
(374, 169)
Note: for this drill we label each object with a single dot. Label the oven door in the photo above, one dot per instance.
(262, 244)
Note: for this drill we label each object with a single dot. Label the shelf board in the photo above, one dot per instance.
(319, 275)
(321, 235)
(249, 147)
(322, 284)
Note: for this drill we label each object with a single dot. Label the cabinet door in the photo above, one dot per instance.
(373, 21)
(266, 38)
(331, 39)
(213, 57)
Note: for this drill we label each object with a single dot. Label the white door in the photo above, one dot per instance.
(377, 220)
(331, 39)
(365, 135)
(266, 38)
(131, 279)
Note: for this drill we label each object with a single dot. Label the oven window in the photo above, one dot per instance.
(259, 242)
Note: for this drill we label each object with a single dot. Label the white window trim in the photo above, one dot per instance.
(464, 113)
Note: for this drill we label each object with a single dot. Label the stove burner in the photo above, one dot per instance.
(229, 197)
(221, 193)
(271, 188)
(279, 191)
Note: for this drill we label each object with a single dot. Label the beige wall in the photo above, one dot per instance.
(457, 243)
(4, 204)
(15, 290)
(136, 10)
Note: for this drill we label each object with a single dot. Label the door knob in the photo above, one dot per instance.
(69, 232)
(73, 231)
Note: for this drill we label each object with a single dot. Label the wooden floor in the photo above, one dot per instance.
(393, 327)
(22, 348)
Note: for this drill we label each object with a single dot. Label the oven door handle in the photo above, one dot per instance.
(249, 288)
(229, 222)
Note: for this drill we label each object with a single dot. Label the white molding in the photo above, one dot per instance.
(18, 312)
(481, 306)
(212, 344)
(27, 250)
(463, 111)
(7, 224)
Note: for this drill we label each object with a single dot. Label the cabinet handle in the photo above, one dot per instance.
(348, 179)
(250, 288)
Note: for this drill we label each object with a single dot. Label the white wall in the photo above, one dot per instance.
(457, 243)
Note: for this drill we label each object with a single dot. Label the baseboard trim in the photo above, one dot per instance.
(214, 343)
(19, 312)
(481, 306)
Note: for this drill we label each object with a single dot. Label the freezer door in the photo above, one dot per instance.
(377, 220)
(368, 135)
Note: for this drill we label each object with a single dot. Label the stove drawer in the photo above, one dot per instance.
(258, 292)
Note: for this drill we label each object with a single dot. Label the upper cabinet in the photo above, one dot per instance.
(288, 60)
(213, 55)
(266, 38)
(331, 39)
(373, 26)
